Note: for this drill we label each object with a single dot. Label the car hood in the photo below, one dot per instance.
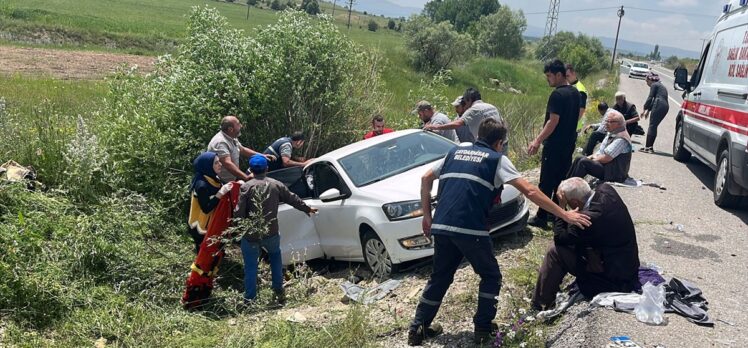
(405, 186)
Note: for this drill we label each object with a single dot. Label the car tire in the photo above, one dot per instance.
(376, 256)
(680, 153)
(722, 175)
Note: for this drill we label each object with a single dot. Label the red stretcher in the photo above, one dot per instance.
(204, 269)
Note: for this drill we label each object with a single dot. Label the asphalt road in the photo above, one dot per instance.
(712, 250)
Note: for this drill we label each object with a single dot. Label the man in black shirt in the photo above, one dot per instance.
(629, 113)
(558, 136)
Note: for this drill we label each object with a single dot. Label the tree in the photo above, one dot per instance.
(251, 2)
(373, 25)
(276, 5)
(391, 24)
(435, 46)
(311, 7)
(566, 46)
(500, 34)
(461, 13)
(655, 55)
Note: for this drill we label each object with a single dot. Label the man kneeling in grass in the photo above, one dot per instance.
(603, 257)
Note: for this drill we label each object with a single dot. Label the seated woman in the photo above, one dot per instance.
(205, 192)
(612, 161)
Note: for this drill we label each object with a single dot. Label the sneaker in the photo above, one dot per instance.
(538, 222)
(280, 296)
(416, 337)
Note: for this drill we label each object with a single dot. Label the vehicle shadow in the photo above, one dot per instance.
(421, 268)
(706, 176)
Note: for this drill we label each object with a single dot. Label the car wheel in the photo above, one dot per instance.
(722, 197)
(679, 151)
(376, 256)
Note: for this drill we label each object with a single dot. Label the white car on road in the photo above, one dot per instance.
(639, 69)
(368, 196)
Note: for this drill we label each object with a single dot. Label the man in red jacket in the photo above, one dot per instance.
(377, 125)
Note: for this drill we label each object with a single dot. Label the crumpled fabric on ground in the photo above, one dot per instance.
(649, 275)
(616, 299)
(367, 296)
(686, 299)
(563, 302)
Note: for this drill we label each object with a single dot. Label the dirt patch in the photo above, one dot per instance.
(75, 65)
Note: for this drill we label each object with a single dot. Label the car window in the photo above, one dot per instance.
(383, 160)
(322, 177)
(641, 65)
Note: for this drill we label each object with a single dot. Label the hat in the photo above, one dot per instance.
(420, 106)
(258, 163)
(457, 101)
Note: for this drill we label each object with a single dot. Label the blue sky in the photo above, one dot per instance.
(682, 30)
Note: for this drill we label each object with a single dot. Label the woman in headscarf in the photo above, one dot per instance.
(657, 107)
(205, 192)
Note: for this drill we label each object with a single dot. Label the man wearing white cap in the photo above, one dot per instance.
(476, 111)
(463, 132)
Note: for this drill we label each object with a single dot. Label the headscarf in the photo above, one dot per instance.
(653, 77)
(203, 166)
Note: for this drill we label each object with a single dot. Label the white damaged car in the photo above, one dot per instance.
(368, 196)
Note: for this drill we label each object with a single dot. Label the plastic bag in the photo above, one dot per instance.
(651, 307)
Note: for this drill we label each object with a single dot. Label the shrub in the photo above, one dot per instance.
(580, 50)
(391, 24)
(433, 47)
(461, 13)
(373, 25)
(300, 73)
(500, 34)
(86, 166)
(311, 7)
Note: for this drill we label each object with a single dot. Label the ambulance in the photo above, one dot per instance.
(712, 123)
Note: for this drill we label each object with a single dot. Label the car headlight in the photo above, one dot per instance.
(402, 210)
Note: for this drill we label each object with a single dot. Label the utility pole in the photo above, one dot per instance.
(621, 12)
(350, 8)
(248, 6)
(333, 9)
(552, 22)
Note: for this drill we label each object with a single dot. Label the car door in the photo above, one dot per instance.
(696, 115)
(299, 240)
(336, 220)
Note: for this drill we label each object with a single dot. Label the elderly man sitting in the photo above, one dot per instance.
(612, 161)
(604, 257)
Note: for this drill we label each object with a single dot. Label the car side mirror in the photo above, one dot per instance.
(681, 79)
(331, 195)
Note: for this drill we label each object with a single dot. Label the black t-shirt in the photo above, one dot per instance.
(564, 101)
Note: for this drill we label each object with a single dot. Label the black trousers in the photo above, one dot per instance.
(554, 168)
(448, 254)
(558, 261)
(594, 139)
(583, 166)
(657, 114)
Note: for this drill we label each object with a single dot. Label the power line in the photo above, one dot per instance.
(578, 10)
(670, 12)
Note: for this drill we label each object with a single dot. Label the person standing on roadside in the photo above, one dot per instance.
(558, 136)
(656, 104)
(229, 150)
(471, 177)
(571, 77)
(428, 116)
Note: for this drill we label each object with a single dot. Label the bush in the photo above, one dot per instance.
(311, 7)
(391, 24)
(373, 25)
(461, 13)
(580, 50)
(299, 73)
(500, 34)
(433, 47)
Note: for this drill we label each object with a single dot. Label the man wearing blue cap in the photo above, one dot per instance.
(266, 194)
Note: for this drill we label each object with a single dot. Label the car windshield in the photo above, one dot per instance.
(641, 65)
(393, 157)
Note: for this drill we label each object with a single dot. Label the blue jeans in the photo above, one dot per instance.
(251, 255)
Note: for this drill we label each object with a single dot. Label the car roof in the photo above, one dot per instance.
(363, 144)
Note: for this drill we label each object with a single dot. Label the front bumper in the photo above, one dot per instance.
(638, 73)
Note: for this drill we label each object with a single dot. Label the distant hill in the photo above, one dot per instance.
(387, 8)
(626, 46)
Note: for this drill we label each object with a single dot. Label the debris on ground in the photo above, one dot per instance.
(674, 227)
(367, 296)
(622, 341)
